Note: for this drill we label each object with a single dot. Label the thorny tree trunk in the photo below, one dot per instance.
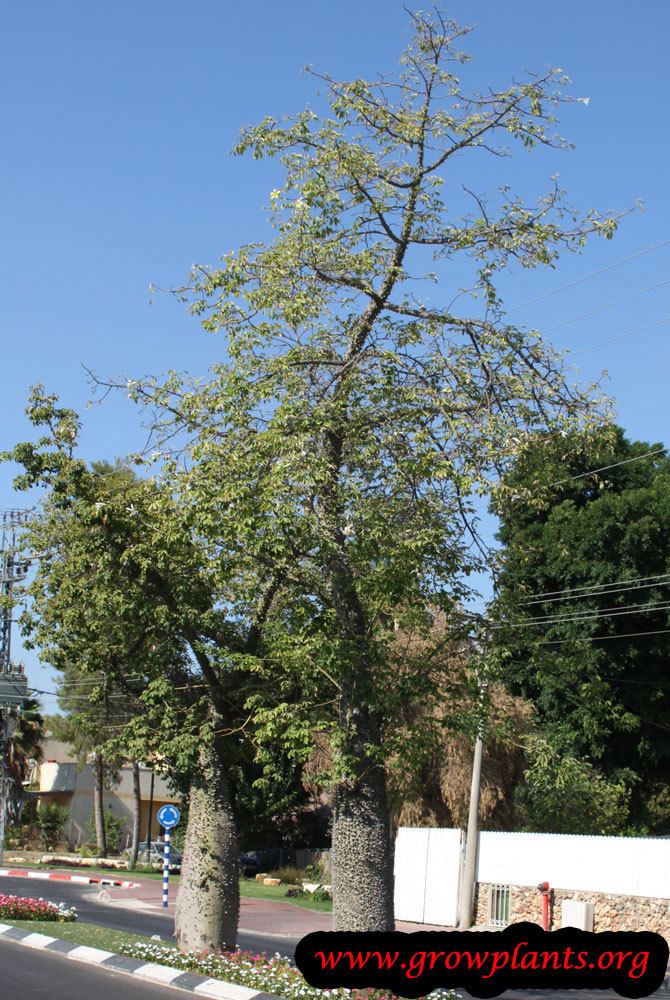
(98, 805)
(362, 846)
(208, 904)
(137, 814)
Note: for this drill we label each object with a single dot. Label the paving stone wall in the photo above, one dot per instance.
(611, 912)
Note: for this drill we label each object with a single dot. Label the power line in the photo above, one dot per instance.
(615, 302)
(595, 589)
(590, 586)
(578, 617)
(592, 638)
(622, 336)
(587, 277)
(626, 680)
(604, 468)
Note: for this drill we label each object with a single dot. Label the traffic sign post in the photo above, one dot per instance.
(168, 817)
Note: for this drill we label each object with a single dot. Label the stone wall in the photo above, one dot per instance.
(611, 913)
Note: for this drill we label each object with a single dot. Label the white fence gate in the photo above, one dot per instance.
(427, 874)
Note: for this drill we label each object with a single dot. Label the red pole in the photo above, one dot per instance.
(546, 891)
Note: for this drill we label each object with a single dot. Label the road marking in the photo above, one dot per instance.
(38, 940)
(85, 954)
(158, 973)
(224, 991)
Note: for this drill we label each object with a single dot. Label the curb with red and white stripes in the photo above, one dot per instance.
(58, 877)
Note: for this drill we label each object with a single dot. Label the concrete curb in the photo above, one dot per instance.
(58, 877)
(163, 975)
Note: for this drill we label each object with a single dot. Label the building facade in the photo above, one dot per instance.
(63, 781)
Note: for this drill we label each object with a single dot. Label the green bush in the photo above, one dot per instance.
(114, 827)
(87, 851)
(51, 820)
(292, 876)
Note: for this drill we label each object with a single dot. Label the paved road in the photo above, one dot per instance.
(28, 974)
(113, 915)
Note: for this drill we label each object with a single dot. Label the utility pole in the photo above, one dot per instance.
(469, 873)
(13, 683)
(151, 809)
(467, 894)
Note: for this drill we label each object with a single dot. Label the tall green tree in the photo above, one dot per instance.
(585, 583)
(124, 590)
(364, 402)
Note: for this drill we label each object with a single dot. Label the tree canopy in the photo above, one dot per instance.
(315, 493)
(585, 579)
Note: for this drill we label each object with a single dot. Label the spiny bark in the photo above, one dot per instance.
(98, 805)
(208, 904)
(137, 813)
(362, 855)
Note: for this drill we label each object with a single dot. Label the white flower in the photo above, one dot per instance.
(584, 100)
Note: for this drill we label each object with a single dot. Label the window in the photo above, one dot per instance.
(499, 905)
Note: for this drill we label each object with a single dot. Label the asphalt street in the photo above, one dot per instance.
(28, 974)
(39, 975)
(107, 914)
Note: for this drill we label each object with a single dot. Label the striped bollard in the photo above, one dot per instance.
(166, 867)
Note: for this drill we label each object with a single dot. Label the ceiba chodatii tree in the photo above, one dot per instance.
(363, 404)
(123, 589)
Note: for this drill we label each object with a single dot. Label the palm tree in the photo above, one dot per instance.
(23, 748)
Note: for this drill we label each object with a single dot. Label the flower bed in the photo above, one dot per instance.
(267, 975)
(25, 908)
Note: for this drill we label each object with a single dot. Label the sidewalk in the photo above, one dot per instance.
(265, 915)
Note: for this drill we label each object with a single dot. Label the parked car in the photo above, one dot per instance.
(155, 855)
(249, 864)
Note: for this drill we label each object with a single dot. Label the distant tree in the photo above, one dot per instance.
(586, 583)
(563, 794)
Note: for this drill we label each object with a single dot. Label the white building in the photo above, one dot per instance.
(63, 781)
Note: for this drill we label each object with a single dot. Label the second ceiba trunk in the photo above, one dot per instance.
(362, 844)
(208, 903)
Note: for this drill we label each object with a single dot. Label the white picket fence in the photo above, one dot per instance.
(428, 862)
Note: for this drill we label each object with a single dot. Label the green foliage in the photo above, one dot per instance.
(51, 820)
(564, 795)
(88, 850)
(318, 489)
(591, 650)
(114, 827)
(292, 876)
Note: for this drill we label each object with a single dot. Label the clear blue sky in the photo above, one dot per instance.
(117, 122)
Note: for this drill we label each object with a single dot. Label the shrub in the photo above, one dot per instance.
(290, 875)
(114, 827)
(25, 908)
(51, 820)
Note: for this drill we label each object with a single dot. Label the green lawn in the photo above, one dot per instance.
(277, 893)
(81, 933)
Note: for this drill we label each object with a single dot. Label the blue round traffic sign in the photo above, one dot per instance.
(168, 816)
